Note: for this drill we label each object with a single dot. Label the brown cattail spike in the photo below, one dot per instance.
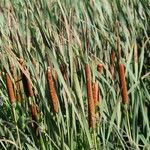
(91, 107)
(34, 112)
(113, 56)
(95, 93)
(27, 86)
(26, 82)
(52, 90)
(123, 86)
(10, 88)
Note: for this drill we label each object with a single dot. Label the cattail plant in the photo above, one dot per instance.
(17, 83)
(34, 112)
(95, 93)
(10, 88)
(52, 90)
(26, 82)
(123, 85)
(91, 107)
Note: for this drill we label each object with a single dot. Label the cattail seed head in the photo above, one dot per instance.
(27, 86)
(95, 93)
(113, 56)
(34, 112)
(123, 85)
(91, 107)
(26, 82)
(52, 90)
(10, 88)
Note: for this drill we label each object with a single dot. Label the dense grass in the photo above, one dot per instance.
(66, 35)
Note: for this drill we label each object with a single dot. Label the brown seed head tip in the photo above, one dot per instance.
(48, 69)
(99, 68)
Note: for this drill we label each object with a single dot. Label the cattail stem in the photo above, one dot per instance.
(91, 107)
(113, 56)
(52, 90)
(123, 85)
(10, 88)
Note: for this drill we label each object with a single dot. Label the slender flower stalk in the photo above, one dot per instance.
(91, 107)
(123, 85)
(10, 88)
(113, 56)
(52, 90)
